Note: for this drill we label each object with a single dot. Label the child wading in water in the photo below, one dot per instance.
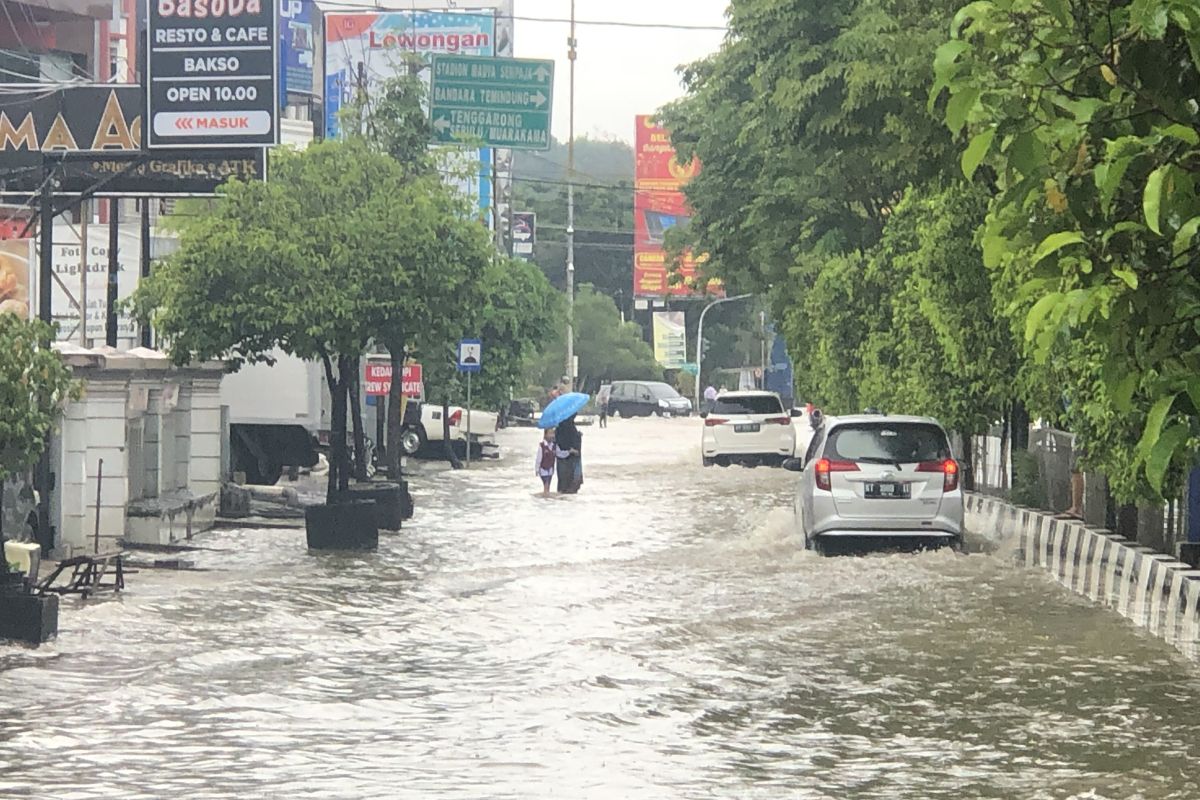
(547, 456)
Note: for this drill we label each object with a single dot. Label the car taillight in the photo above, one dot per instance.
(825, 467)
(777, 421)
(948, 468)
(712, 422)
(456, 417)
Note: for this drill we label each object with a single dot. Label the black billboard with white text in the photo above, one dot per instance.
(212, 73)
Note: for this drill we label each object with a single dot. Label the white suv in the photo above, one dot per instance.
(748, 428)
(879, 480)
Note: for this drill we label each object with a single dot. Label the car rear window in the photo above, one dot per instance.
(896, 443)
(753, 404)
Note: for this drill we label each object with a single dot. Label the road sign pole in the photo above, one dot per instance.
(468, 419)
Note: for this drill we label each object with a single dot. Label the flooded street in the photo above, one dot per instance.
(660, 635)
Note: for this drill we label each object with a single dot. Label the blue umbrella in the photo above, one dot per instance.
(562, 408)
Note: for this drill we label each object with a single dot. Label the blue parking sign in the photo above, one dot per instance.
(470, 355)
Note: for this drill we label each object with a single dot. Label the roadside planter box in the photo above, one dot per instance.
(350, 525)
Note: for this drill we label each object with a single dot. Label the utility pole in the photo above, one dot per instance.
(570, 373)
(43, 474)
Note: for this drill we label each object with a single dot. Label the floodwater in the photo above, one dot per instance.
(661, 635)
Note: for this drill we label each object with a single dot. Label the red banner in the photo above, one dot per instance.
(658, 206)
(379, 380)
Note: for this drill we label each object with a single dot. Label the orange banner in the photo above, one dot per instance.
(658, 206)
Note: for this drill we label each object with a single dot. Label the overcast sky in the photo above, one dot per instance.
(620, 72)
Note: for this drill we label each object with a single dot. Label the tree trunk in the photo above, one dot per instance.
(1020, 426)
(395, 419)
(3, 559)
(1005, 448)
(337, 432)
(341, 435)
(360, 438)
(968, 462)
(451, 456)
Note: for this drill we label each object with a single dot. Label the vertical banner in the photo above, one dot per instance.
(670, 339)
(658, 206)
(524, 234)
(296, 48)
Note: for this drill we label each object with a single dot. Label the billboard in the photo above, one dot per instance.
(75, 261)
(97, 132)
(212, 72)
(364, 49)
(670, 339)
(297, 48)
(658, 206)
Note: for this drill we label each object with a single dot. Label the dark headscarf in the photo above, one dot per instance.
(567, 436)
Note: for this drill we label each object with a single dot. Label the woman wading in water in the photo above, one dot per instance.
(569, 443)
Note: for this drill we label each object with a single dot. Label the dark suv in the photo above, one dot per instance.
(644, 398)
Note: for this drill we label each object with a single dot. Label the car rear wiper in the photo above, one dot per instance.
(874, 460)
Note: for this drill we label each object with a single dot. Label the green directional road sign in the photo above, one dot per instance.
(503, 102)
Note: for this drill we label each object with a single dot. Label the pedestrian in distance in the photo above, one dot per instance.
(545, 460)
(569, 443)
(602, 405)
(710, 397)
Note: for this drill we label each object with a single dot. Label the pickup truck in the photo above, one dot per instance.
(423, 426)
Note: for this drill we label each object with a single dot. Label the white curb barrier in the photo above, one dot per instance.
(1153, 590)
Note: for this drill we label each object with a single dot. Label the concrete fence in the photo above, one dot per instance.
(1153, 590)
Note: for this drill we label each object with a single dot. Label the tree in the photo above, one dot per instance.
(34, 385)
(607, 348)
(312, 262)
(455, 285)
(1085, 112)
(812, 126)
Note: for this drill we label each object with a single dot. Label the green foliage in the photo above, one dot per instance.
(824, 186)
(810, 123)
(34, 385)
(309, 262)
(1091, 108)
(607, 348)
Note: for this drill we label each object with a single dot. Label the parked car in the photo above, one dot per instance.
(887, 481)
(423, 425)
(643, 398)
(522, 413)
(749, 428)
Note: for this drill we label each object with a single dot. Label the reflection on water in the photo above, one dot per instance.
(662, 634)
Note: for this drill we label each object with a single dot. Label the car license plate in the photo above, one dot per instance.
(888, 491)
(749, 427)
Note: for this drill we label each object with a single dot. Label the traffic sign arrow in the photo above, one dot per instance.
(441, 124)
(539, 99)
(542, 73)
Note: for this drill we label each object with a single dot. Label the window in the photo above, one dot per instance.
(898, 443)
(661, 391)
(750, 404)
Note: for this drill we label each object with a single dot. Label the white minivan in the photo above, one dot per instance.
(749, 428)
(879, 480)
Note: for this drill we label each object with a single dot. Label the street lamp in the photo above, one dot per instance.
(700, 337)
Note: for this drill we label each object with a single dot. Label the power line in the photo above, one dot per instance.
(352, 6)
